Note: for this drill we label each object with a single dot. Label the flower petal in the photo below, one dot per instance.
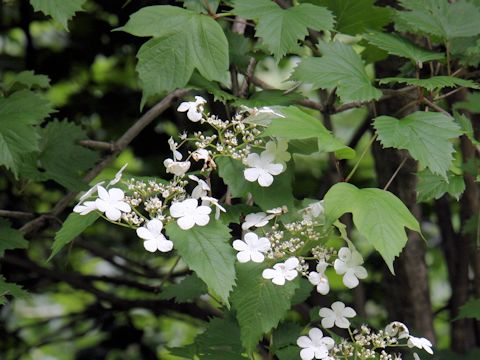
(155, 226)
(113, 213)
(257, 256)
(269, 273)
(251, 174)
(349, 312)
(144, 233)
(150, 245)
(350, 280)
(201, 220)
(186, 222)
(243, 256)
(116, 194)
(291, 263)
(164, 245)
(328, 322)
(342, 322)
(307, 354)
(304, 341)
(264, 178)
(184, 106)
(240, 245)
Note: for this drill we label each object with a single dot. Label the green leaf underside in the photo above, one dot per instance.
(298, 125)
(277, 194)
(471, 309)
(340, 67)
(281, 29)
(431, 186)
(10, 289)
(259, 304)
(440, 18)
(19, 113)
(378, 215)
(187, 290)
(426, 136)
(433, 83)
(398, 46)
(355, 16)
(10, 238)
(207, 251)
(73, 226)
(60, 10)
(182, 41)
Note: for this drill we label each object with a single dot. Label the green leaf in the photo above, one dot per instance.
(197, 81)
(471, 309)
(340, 67)
(202, 6)
(471, 103)
(433, 83)
(377, 214)
(431, 186)
(298, 125)
(182, 41)
(277, 194)
(398, 46)
(281, 29)
(19, 113)
(10, 238)
(286, 334)
(215, 266)
(270, 98)
(425, 135)
(219, 341)
(73, 226)
(28, 79)
(466, 126)
(61, 157)
(10, 289)
(355, 16)
(187, 290)
(260, 304)
(440, 18)
(60, 10)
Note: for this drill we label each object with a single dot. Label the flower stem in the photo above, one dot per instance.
(370, 143)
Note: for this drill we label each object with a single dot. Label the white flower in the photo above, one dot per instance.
(177, 168)
(261, 168)
(278, 210)
(349, 264)
(111, 203)
(201, 189)
(207, 200)
(256, 219)
(118, 176)
(337, 315)
(85, 207)
(315, 345)
(282, 271)
(194, 108)
(251, 248)
(177, 155)
(279, 151)
(420, 343)
(154, 239)
(201, 154)
(398, 329)
(188, 213)
(314, 210)
(319, 278)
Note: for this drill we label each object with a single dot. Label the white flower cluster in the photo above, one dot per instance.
(364, 343)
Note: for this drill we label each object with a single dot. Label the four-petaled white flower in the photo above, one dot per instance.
(194, 109)
(256, 219)
(201, 154)
(420, 343)
(279, 151)
(177, 168)
(349, 264)
(154, 239)
(319, 278)
(282, 271)
(189, 214)
(207, 200)
(315, 345)
(111, 203)
(397, 329)
(251, 248)
(261, 168)
(201, 189)
(337, 315)
(177, 155)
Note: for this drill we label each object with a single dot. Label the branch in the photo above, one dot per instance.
(37, 223)
(16, 214)
(98, 145)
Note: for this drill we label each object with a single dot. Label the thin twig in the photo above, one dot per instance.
(372, 140)
(435, 106)
(16, 214)
(119, 146)
(97, 145)
(395, 173)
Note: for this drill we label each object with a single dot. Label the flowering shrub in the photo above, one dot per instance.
(287, 242)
